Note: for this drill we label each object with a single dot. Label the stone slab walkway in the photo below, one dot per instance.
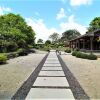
(51, 82)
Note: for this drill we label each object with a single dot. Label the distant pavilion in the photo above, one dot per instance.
(87, 42)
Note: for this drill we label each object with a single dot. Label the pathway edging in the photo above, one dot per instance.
(25, 88)
(76, 88)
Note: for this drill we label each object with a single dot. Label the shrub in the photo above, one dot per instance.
(22, 52)
(84, 56)
(11, 46)
(77, 49)
(79, 54)
(68, 50)
(32, 51)
(3, 58)
(74, 53)
(21, 43)
(12, 55)
(92, 57)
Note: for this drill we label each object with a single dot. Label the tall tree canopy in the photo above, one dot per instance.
(13, 28)
(40, 41)
(94, 24)
(47, 42)
(54, 37)
(70, 34)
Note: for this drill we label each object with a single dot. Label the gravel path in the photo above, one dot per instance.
(13, 74)
(87, 73)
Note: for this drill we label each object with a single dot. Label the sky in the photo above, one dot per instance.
(49, 16)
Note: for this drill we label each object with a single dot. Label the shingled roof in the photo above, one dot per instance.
(88, 34)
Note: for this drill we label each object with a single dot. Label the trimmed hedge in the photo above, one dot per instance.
(22, 52)
(74, 53)
(12, 55)
(92, 57)
(79, 54)
(68, 50)
(3, 58)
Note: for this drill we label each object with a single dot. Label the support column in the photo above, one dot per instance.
(84, 44)
(91, 44)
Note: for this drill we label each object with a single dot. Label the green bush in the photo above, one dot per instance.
(21, 43)
(3, 58)
(79, 54)
(11, 46)
(74, 53)
(68, 50)
(12, 55)
(92, 57)
(22, 52)
(84, 56)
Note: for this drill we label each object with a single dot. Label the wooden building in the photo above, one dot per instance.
(88, 42)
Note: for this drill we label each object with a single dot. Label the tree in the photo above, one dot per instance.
(40, 41)
(94, 24)
(13, 28)
(70, 34)
(54, 37)
(47, 42)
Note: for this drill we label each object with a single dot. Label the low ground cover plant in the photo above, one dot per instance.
(79, 54)
(68, 50)
(3, 58)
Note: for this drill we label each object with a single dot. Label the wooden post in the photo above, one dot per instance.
(91, 44)
(83, 43)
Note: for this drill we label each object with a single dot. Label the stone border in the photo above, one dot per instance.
(52, 87)
(51, 70)
(26, 86)
(76, 88)
(49, 76)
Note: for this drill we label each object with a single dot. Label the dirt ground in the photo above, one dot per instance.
(13, 74)
(87, 72)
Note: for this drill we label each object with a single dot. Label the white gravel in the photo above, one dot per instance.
(87, 73)
(13, 74)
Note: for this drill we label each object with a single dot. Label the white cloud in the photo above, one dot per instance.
(40, 28)
(71, 24)
(61, 14)
(4, 9)
(43, 32)
(80, 2)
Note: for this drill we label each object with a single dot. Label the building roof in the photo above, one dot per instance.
(89, 34)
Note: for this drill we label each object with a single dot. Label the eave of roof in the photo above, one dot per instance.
(86, 35)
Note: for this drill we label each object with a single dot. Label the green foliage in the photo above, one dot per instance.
(92, 57)
(54, 37)
(74, 53)
(3, 58)
(21, 43)
(84, 56)
(14, 33)
(94, 24)
(68, 50)
(48, 42)
(22, 52)
(70, 34)
(12, 55)
(11, 46)
(40, 41)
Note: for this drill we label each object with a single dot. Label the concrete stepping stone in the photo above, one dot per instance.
(51, 68)
(51, 81)
(51, 73)
(57, 62)
(50, 94)
(52, 65)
